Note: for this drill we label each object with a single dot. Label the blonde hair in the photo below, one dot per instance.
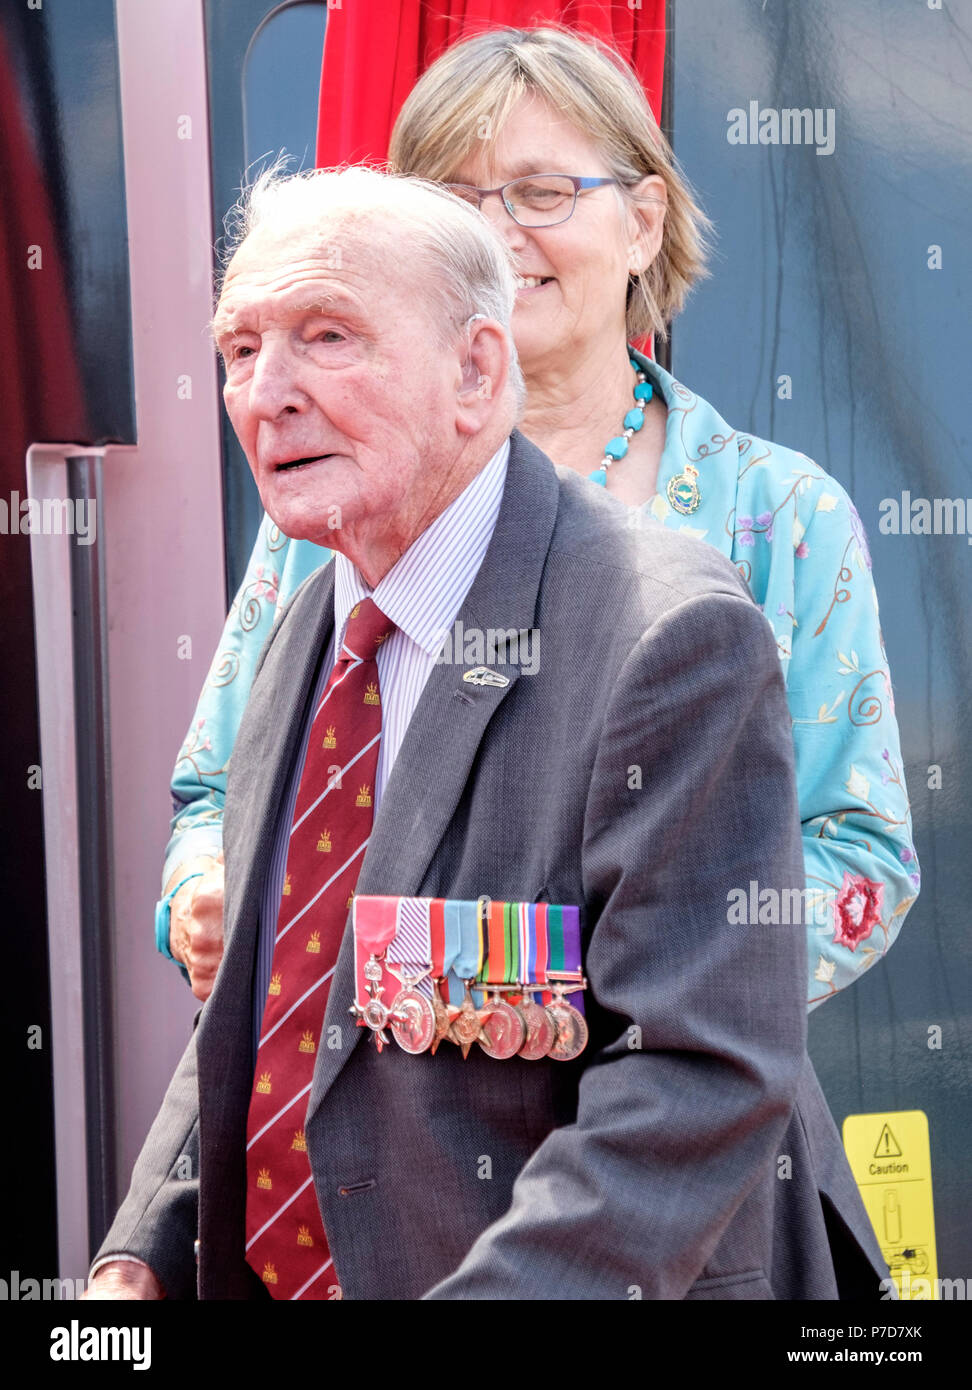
(467, 94)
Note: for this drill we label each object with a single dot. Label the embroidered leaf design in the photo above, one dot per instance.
(827, 716)
(659, 507)
(857, 784)
(826, 502)
(903, 906)
(825, 970)
(799, 531)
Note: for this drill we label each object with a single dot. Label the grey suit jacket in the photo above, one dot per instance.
(643, 772)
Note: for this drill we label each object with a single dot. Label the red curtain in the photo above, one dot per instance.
(374, 53)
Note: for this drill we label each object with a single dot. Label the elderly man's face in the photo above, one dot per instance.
(338, 389)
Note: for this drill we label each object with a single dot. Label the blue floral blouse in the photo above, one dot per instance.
(797, 540)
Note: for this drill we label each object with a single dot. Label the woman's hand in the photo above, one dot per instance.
(196, 922)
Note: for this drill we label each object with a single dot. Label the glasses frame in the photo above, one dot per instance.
(581, 185)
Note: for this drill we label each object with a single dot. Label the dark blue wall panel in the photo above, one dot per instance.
(264, 63)
(822, 273)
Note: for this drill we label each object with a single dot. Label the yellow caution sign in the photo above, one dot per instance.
(890, 1158)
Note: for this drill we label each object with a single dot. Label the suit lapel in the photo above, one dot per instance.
(444, 733)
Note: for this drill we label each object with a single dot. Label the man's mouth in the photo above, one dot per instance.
(299, 463)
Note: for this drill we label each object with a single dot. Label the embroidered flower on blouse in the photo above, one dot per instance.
(907, 856)
(802, 550)
(266, 588)
(857, 910)
(747, 524)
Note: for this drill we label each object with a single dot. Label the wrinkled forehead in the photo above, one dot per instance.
(368, 266)
(343, 244)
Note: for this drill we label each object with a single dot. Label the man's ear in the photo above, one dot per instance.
(646, 222)
(483, 372)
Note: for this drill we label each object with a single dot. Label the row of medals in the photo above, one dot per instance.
(529, 1030)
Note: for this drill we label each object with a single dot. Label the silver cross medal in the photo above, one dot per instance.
(374, 1013)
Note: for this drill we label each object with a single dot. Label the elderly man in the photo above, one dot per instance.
(639, 771)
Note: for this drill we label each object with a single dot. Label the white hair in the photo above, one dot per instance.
(470, 265)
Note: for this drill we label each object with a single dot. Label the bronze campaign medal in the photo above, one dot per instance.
(504, 1030)
(467, 1026)
(412, 1020)
(541, 1031)
(444, 1014)
(571, 1031)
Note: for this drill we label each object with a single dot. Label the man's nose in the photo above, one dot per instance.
(275, 383)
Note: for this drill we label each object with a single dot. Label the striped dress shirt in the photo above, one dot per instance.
(422, 594)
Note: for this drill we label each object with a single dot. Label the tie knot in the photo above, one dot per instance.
(366, 630)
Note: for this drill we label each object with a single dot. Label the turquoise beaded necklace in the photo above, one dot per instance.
(617, 447)
(682, 490)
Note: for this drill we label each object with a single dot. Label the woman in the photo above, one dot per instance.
(552, 137)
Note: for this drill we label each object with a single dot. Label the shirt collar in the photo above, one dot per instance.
(425, 588)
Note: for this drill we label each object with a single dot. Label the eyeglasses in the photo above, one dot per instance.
(539, 200)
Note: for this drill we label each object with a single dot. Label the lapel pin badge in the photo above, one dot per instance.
(482, 675)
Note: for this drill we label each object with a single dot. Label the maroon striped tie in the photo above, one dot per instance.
(285, 1240)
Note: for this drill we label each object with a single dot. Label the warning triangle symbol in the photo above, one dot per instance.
(887, 1145)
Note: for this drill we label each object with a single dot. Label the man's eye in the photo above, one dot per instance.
(331, 335)
(237, 351)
